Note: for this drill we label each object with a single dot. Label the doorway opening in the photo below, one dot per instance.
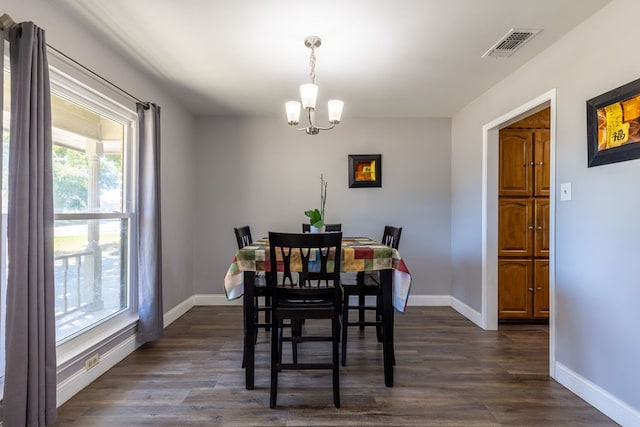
(490, 196)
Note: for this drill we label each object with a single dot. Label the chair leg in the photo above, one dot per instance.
(345, 321)
(296, 331)
(275, 357)
(280, 339)
(336, 368)
(379, 318)
(379, 327)
(361, 310)
(267, 313)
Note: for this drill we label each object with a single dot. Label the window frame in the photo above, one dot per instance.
(75, 84)
(4, 62)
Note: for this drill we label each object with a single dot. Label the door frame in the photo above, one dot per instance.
(490, 132)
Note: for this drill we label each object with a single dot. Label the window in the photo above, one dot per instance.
(91, 217)
(92, 194)
(94, 224)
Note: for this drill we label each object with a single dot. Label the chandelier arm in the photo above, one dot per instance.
(328, 128)
(313, 126)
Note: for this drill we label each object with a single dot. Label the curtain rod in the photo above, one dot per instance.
(6, 22)
(124, 92)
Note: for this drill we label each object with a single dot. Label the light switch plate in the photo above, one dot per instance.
(565, 191)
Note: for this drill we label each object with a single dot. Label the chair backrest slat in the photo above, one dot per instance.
(391, 236)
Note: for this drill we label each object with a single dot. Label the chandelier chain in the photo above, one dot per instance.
(312, 64)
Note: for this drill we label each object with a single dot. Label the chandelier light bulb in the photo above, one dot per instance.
(293, 112)
(335, 110)
(308, 95)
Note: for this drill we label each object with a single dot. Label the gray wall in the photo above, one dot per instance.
(598, 232)
(177, 149)
(261, 172)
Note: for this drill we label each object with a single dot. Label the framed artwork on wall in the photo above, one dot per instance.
(365, 170)
(613, 125)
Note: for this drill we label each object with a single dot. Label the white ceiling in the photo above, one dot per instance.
(396, 58)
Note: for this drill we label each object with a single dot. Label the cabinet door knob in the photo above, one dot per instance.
(540, 163)
(539, 288)
(530, 289)
(531, 227)
(539, 228)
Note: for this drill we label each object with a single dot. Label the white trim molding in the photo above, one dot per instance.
(468, 312)
(490, 131)
(85, 376)
(176, 312)
(597, 397)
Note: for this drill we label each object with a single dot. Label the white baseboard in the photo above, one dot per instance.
(177, 311)
(76, 382)
(466, 311)
(605, 402)
(215, 299)
(429, 300)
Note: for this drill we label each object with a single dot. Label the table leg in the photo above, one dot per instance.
(387, 325)
(249, 328)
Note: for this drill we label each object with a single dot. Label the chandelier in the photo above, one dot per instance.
(308, 95)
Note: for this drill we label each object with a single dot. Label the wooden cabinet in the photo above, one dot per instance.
(541, 288)
(541, 163)
(524, 161)
(523, 227)
(541, 228)
(515, 288)
(523, 289)
(516, 163)
(524, 179)
(539, 120)
(515, 217)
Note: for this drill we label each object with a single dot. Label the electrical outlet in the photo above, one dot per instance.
(92, 361)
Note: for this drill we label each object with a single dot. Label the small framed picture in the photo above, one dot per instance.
(613, 125)
(365, 170)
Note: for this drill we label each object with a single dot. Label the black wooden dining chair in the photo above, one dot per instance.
(319, 300)
(243, 238)
(367, 284)
(306, 227)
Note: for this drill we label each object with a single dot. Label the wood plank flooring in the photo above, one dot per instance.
(449, 373)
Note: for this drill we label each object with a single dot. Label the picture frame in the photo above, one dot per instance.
(365, 170)
(613, 125)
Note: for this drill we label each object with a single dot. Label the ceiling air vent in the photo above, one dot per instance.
(511, 42)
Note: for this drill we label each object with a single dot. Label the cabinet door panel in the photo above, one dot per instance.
(515, 163)
(541, 288)
(541, 239)
(515, 225)
(542, 159)
(514, 288)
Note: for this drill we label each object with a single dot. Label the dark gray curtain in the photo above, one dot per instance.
(30, 374)
(149, 226)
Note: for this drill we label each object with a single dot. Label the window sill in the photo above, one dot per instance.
(68, 352)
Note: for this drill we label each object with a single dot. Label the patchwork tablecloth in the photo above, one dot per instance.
(358, 254)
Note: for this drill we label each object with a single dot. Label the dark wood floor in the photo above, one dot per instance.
(449, 373)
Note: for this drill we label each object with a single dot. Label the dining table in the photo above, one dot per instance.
(359, 254)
